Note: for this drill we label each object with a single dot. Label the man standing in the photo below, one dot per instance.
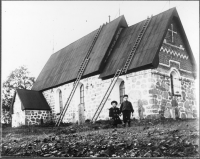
(126, 109)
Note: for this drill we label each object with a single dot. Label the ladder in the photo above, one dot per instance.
(106, 95)
(121, 71)
(133, 50)
(80, 73)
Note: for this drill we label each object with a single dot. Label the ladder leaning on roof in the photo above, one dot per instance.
(80, 73)
(121, 71)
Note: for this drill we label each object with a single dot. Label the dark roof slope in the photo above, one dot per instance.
(63, 66)
(146, 55)
(31, 100)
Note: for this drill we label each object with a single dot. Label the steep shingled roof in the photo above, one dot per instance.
(146, 55)
(31, 100)
(63, 66)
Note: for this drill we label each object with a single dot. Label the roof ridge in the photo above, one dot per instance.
(87, 34)
(74, 42)
(153, 16)
(174, 8)
(116, 18)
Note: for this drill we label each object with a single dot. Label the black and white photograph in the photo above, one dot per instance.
(112, 79)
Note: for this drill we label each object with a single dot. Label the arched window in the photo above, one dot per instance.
(175, 83)
(82, 94)
(121, 91)
(58, 102)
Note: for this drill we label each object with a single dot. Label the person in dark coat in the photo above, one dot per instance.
(126, 108)
(114, 113)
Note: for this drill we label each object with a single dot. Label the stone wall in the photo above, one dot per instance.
(153, 90)
(161, 95)
(136, 86)
(37, 117)
(173, 58)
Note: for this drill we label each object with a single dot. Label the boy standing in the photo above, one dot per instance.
(126, 109)
(114, 113)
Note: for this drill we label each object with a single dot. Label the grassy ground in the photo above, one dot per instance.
(152, 138)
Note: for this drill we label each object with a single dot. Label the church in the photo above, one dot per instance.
(161, 67)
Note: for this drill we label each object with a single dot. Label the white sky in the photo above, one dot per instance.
(31, 29)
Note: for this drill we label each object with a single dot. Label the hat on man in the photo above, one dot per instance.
(125, 95)
(114, 102)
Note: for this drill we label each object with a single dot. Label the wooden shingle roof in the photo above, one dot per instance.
(146, 55)
(62, 67)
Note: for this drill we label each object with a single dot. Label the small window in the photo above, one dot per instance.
(59, 102)
(175, 84)
(121, 91)
(82, 94)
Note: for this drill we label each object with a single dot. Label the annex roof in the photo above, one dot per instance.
(31, 100)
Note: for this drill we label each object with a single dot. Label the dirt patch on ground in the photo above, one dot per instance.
(149, 138)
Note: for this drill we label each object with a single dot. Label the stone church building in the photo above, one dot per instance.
(162, 67)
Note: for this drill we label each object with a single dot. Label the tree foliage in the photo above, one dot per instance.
(18, 79)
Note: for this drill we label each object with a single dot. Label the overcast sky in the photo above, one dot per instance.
(33, 30)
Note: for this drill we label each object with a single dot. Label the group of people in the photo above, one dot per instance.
(126, 109)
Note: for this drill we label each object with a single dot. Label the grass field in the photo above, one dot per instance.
(152, 138)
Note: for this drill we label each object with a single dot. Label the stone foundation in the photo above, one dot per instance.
(161, 95)
(37, 117)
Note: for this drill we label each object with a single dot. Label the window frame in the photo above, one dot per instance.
(121, 91)
(175, 82)
(82, 94)
(60, 99)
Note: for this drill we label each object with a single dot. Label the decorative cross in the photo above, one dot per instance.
(173, 32)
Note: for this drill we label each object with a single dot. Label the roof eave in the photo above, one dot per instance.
(36, 109)
(140, 68)
(70, 81)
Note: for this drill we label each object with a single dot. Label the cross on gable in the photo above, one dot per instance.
(173, 32)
